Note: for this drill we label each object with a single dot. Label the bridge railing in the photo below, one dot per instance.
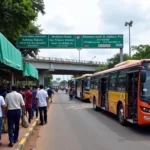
(64, 60)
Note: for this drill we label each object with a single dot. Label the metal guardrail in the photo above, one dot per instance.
(64, 60)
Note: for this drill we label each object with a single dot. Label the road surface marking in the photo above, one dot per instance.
(30, 129)
(77, 106)
(34, 124)
(22, 141)
(26, 134)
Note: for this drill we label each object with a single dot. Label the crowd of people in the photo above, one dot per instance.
(23, 101)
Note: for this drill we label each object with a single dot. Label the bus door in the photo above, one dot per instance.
(104, 93)
(132, 96)
(76, 87)
(82, 89)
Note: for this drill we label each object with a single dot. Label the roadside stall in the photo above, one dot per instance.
(10, 62)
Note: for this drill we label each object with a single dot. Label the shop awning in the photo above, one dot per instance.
(30, 70)
(10, 57)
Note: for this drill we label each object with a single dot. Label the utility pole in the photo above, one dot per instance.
(130, 25)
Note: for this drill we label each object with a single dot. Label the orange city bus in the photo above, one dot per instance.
(82, 87)
(124, 91)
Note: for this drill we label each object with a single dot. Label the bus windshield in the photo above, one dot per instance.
(145, 87)
(87, 83)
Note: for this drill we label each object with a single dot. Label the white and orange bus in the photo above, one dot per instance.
(124, 91)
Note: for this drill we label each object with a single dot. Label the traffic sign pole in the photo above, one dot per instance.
(121, 54)
(79, 53)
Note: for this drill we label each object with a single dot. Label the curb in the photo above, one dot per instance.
(26, 137)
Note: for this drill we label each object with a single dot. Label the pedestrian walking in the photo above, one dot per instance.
(71, 93)
(50, 93)
(66, 89)
(14, 101)
(34, 102)
(42, 97)
(28, 102)
(3, 92)
(22, 92)
(2, 114)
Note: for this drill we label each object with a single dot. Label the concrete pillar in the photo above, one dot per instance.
(41, 78)
(12, 79)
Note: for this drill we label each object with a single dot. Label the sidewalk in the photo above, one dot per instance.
(5, 140)
(22, 132)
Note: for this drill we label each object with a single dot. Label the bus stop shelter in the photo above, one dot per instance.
(10, 60)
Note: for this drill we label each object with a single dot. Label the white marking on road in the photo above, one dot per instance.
(78, 107)
(81, 107)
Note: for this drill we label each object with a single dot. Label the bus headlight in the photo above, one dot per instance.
(145, 109)
(147, 117)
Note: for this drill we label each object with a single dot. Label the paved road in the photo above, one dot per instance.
(74, 125)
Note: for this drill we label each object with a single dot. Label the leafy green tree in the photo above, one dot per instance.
(63, 82)
(101, 68)
(38, 6)
(141, 52)
(33, 29)
(116, 59)
(15, 17)
(48, 80)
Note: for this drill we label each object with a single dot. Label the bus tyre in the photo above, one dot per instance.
(121, 115)
(94, 104)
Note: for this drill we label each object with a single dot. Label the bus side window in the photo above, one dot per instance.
(92, 84)
(121, 84)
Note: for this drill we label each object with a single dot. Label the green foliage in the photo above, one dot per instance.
(142, 52)
(38, 6)
(33, 29)
(112, 62)
(48, 80)
(116, 59)
(101, 68)
(63, 82)
(15, 17)
(75, 76)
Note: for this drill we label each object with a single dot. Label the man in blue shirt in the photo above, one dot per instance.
(50, 92)
(34, 101)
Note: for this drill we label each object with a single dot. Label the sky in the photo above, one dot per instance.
(94, 17)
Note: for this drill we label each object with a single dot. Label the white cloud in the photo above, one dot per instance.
(95, 17)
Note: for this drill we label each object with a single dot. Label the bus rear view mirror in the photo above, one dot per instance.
(143, 76)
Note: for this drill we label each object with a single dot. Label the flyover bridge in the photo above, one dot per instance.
(48, 65)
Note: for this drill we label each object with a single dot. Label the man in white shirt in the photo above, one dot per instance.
(14, 102)
(42, 97)
(2, 109)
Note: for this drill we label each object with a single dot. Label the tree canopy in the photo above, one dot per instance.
(33, 29)
(116, 59)
(17, 16)
(48, 80)
(112, 62)
(63, 82)
(141, 52)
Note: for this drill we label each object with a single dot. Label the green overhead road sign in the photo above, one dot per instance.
(70, 41)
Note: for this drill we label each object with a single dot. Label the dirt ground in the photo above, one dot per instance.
(31, 144)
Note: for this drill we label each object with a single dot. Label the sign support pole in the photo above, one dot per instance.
(79, 53)
(121, 54)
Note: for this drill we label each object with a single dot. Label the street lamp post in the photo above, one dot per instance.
(130, 25)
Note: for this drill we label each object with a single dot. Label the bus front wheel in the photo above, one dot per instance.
(121, 115)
